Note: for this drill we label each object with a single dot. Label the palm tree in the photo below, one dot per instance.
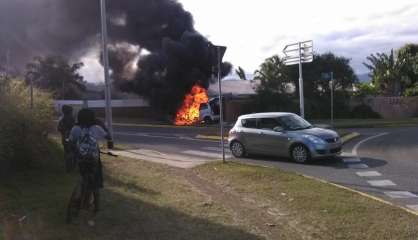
(385, 72)
(241, 73)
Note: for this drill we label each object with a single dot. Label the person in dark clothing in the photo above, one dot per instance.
(87, 126)
(65, 124)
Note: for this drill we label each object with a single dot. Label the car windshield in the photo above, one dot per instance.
(294, 122)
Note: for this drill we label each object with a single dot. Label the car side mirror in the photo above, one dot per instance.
(278, 129)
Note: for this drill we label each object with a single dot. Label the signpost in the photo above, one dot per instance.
(219, 52)
(330, 76)
(299, 53)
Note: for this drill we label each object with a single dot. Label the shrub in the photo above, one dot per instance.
(364, 111)
(22, 130)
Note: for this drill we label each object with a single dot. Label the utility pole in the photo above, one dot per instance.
(108, 96)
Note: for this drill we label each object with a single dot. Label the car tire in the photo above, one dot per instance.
(300, 154)
(207, 120)
(237, 149)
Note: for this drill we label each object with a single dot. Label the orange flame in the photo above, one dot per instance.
(189, 111)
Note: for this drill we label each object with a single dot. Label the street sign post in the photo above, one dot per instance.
(330, 76)
(219, 52)
(299, 53)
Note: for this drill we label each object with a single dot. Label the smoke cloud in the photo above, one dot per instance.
(178, 56)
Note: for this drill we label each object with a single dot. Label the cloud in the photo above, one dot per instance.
(255, 30)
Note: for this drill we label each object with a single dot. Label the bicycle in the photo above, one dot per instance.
(82, 197)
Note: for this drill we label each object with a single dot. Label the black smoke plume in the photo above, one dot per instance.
(177, 55)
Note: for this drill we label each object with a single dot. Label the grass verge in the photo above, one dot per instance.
(143, 200)
(318, 210)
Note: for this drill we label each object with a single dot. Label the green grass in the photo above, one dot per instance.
(320, 210)
(140, 201)
(143, 200)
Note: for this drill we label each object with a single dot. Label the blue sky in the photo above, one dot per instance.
(255, 30)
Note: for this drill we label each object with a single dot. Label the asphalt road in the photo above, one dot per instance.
(382, 162)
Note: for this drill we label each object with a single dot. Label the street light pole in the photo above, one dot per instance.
(106, 71)
(301, 97)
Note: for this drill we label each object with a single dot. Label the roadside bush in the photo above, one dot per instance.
(23, 139)
(364, 111)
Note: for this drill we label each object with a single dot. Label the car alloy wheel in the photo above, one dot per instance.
(300, 154)
(237, 149)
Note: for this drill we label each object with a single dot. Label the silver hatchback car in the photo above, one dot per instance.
(284, 135)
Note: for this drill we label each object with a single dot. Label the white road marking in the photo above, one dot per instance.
(205, 154)
(400, 194)
(351, 160)
(176, 160)
(381, 183)
(358, 166)
(369, 174)
(413, 207)
(346, 154)
(355, 149)
(216, 149)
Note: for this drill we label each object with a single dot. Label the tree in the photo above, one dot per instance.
(408, 56)
(385, 73)
(241, 73)
(274, 89)
(278, 81)
(55, 74)
(395, 73)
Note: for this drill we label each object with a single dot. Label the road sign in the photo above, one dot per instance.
(302, 51)
(299, 53)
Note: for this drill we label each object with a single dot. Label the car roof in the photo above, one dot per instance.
(265, 115)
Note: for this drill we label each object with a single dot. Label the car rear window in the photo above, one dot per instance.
(249, 123)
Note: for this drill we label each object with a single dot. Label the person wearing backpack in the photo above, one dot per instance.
(65, 124)
(84, 138)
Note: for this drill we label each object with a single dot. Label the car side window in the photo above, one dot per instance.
(203, 106)
(268, 123)
(249, 123)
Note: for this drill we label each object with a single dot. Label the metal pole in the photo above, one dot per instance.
(332, 99)
(221, 113)
(31, 92)
(106, 71)
(301, 98)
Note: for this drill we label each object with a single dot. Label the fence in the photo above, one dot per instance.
(394, 107)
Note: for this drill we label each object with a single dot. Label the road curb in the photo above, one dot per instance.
(361, 193)
(210, 137)
(345, 139)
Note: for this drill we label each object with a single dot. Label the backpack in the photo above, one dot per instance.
(87, 147)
